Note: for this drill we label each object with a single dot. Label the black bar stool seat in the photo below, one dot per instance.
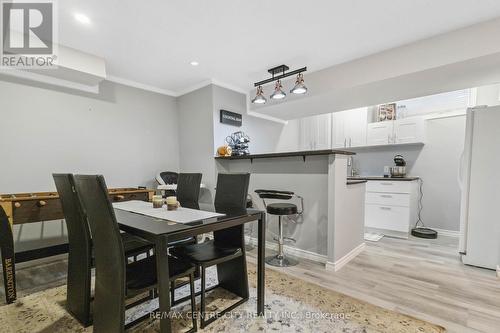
(281, 209)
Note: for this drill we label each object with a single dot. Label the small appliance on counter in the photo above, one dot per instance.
(238, 141)
(398, 171)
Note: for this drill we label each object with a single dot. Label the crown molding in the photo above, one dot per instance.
(192, 88)
(139, 85)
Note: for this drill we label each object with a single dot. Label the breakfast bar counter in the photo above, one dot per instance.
(332, 222)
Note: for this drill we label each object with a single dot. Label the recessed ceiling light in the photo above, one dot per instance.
(194, 63)
(82, 18)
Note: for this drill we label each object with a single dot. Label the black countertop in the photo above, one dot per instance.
(357, 181)
(303, 154)
(403, 179)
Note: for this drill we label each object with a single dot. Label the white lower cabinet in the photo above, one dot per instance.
(391, 206)
(387, 217)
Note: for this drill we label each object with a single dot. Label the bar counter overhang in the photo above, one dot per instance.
(331, 228)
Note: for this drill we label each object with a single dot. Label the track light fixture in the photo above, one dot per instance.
(300, 88)
(279, 73)
(259, 98)
(278, 93)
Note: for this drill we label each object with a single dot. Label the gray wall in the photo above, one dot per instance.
(265, 135)
(196, 137)
(437, 163)
(126, 134)
(308, 179)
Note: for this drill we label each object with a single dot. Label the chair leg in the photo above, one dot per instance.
(172, 292)
(202, 305)
(193, 302)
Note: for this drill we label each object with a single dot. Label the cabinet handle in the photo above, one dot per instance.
(386, 196)
(385, 208)
(345, 142)
(388, 138)
(350, 142)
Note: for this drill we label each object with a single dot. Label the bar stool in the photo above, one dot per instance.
(281, 209)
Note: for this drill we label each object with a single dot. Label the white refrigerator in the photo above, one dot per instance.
(480, 183)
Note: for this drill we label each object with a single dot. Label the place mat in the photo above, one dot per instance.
(180, 215)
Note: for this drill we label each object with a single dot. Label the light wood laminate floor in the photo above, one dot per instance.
(421, 278)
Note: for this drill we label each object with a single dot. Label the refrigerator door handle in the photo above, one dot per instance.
(460, 176)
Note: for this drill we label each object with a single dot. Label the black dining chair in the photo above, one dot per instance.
(188, 189)
(227, 249)
(115, 280)
(167, 178)
(80, 258)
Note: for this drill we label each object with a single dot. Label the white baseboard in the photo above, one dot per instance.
(293, 251)
(449, 233)
(336, 266)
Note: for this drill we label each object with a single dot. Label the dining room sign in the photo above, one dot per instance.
(230, 118)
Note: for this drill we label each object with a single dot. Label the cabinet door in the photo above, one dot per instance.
(322, 129)
(339, 139)
(306, 141)
(409, 130)
(356, 122)
(387, 217)
(379, 133)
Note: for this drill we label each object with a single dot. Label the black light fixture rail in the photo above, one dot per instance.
(280, 69)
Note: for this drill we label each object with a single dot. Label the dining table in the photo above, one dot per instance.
(162, 232)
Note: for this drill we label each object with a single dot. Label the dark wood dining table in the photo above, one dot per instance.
(162, 232)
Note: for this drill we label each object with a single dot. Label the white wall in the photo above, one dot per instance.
(126, 134)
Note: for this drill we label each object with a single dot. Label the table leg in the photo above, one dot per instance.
(163, 284)
(261, 264)
(8, 261)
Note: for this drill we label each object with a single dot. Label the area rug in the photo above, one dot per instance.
(292, 305)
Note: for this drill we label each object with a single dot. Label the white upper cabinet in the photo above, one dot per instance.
(315, 132)
(324, 131)
(349, 128)
(409, 130)
(356, 127)
(380, 133)
(339, 140)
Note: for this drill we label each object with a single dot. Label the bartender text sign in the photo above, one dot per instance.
(230, 118)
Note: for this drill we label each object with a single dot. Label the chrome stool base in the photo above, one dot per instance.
(281, 261)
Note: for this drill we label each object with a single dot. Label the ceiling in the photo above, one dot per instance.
(153, 42)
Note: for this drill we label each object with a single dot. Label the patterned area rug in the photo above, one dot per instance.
(292, 305)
